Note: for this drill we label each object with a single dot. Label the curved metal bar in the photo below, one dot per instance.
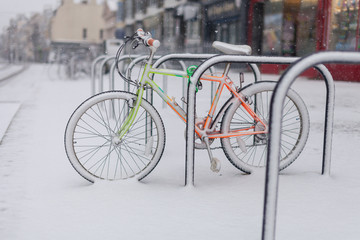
(277, 101)
(184, 89)
(190, 56)
(256, 71)
(113, 67)
(135, 61)
(237, 59)
(108, 58)
(181, 56)
(93, 72)
(190, 126)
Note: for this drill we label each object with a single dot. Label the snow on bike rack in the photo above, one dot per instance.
(190, 56)
(148, 91)
(103, 59)
(272, 167)
(277, 101)
(160, 61)
(93, 72)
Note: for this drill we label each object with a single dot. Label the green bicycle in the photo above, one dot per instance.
(119, 135)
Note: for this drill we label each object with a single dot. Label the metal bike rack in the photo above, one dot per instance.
(181, 63)
(72, 66)
(277, 101)
(102, 65)
(112, 70)
(113, 67)
(134, 62)
(190, 131)
(161, 61)
(189, 56)
(272, 168)
(93, 72)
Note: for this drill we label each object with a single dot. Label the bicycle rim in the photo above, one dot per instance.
(250, 152)
(92, 142)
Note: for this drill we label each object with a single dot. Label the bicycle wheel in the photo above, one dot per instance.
(249, 152)
(92, 145)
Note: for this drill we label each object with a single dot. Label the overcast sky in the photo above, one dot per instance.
(10, 8)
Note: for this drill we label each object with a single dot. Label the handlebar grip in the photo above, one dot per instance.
(153, 42)
(147, 40)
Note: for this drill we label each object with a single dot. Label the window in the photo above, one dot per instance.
(153, 3)
(233, 33)
(129, 9)
(101, 35)
(140, 6)
(120, 16)
(345, 25)
(84, 33)
(193, 29)
(169, 24)
(306, 28)
(273, 17)
(289, 27)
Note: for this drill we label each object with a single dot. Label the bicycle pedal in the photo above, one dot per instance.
(215, 165)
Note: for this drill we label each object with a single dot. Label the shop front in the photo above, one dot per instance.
(344, 36)
(225, 21)
(153, 24)
(302, 27)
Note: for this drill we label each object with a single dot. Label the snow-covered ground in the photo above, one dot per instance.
(42, 196)
(8, 70)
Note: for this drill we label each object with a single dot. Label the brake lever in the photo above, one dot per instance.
(135, 44)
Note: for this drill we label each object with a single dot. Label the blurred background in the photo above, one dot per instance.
(89, 28)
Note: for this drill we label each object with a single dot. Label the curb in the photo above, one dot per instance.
(23, 68)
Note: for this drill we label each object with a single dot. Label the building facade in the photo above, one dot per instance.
(78, 22)
(110, 17)
(270, 27)
(78, 28)
(302, 27)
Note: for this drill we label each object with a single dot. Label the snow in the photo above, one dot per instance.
(42, 196)
(7, 71)
(8, 111)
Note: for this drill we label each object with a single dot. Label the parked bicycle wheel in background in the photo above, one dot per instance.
(250, 151)
(92, 139)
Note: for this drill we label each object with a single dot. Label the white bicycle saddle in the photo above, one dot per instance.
(231, 48)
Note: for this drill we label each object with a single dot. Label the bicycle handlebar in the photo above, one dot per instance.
(138, 36)
(147, 39)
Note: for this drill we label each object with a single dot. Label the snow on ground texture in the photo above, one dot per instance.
(42, 196)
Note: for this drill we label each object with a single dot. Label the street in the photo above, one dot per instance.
(42, 196)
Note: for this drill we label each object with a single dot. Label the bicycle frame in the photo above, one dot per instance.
(202, 129)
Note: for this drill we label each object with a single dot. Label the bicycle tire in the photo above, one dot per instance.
(91, 133)
(252, 154)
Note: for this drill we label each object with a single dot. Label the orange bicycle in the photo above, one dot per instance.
(118, 134)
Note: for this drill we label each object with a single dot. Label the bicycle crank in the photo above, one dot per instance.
(215, 164)
(199, 143)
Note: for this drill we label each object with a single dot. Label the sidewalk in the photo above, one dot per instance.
(9, 71)
(43, 197)
(8, 109)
